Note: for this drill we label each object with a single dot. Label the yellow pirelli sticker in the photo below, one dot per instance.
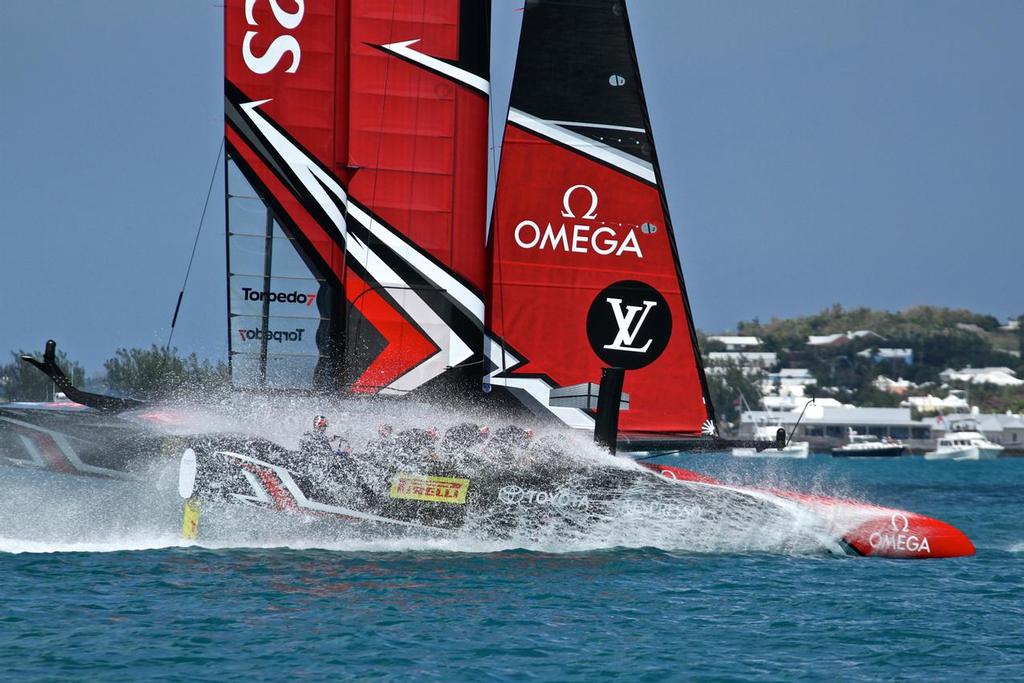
(434, 489)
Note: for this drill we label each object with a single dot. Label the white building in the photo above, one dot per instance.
(841, 338)
(1004, 377)
(831, 423)
(786, 389)
(879, 355)
(743, 359)
(893, 386)
(737, 343)
(934, 404)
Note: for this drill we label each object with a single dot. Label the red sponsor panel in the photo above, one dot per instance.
(568, 234)
(418, 136)
(679, 474)
(909, 536)
(285, 52)
(406, 346)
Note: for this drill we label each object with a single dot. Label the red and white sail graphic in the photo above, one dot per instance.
(362, 125)
(584, 268)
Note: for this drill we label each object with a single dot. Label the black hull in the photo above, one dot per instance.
(83, 442)
(888, 452)
(500, 498)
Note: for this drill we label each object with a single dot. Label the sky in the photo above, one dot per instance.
(814, 152)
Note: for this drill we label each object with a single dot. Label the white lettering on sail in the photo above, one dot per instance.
(280, 46)
(591, 213)
(625, 338)
(578, 237)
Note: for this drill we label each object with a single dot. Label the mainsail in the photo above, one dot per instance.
(584, 267)
(356, 133)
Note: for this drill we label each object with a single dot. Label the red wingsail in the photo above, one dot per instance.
(584, 268)
(361, 125)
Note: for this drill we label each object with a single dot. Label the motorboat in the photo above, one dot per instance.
(964, 445)
(869, 446)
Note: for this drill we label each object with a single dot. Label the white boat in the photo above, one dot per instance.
(964, 445)
(794, 449)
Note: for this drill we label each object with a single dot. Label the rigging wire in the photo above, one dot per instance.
(195, 243)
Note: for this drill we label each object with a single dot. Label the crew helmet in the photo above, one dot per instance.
(319, 423)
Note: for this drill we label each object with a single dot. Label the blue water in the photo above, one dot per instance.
(648, 613)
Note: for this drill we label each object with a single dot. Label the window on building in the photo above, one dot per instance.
(899, 432)
(876, 431)
(920, 432)
(814, 430)
(835, 431)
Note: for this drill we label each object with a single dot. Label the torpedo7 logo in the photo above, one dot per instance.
(582, 234)
(278, 336)
(250, 294)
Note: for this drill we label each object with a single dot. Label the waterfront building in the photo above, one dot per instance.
(827, 425)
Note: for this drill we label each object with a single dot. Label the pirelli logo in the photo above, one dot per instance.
(434, 489)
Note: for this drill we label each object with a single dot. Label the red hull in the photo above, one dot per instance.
(861, 528)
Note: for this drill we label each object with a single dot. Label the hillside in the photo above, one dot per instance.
(938, 339)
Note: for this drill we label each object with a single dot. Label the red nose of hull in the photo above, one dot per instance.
(908, 536)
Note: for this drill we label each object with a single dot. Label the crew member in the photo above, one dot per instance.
(316, 443)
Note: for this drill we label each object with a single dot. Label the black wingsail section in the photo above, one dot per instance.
(584, 267)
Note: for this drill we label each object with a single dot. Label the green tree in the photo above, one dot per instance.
(19, 381)
(159, 373)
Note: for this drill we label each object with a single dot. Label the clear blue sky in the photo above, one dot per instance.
(865, 153)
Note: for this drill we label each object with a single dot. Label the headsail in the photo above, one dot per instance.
(360, 128)
(584, 267)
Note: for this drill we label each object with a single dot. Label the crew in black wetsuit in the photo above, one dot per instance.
(316, 443)
(416, 446)
(509, 442)
(459, 442)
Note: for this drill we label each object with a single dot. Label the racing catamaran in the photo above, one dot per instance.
(359, 264)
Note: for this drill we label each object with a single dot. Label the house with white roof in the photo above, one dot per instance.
(880, 355)
(934, 404)
(743, 359)
(893, 386)
(841, 338)
(737, 343)
(1000, 376)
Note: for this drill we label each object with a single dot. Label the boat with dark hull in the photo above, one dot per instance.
(528, 494)
(358, 265)
(868, 446)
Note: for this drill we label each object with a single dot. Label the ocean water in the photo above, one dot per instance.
(95, 584)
